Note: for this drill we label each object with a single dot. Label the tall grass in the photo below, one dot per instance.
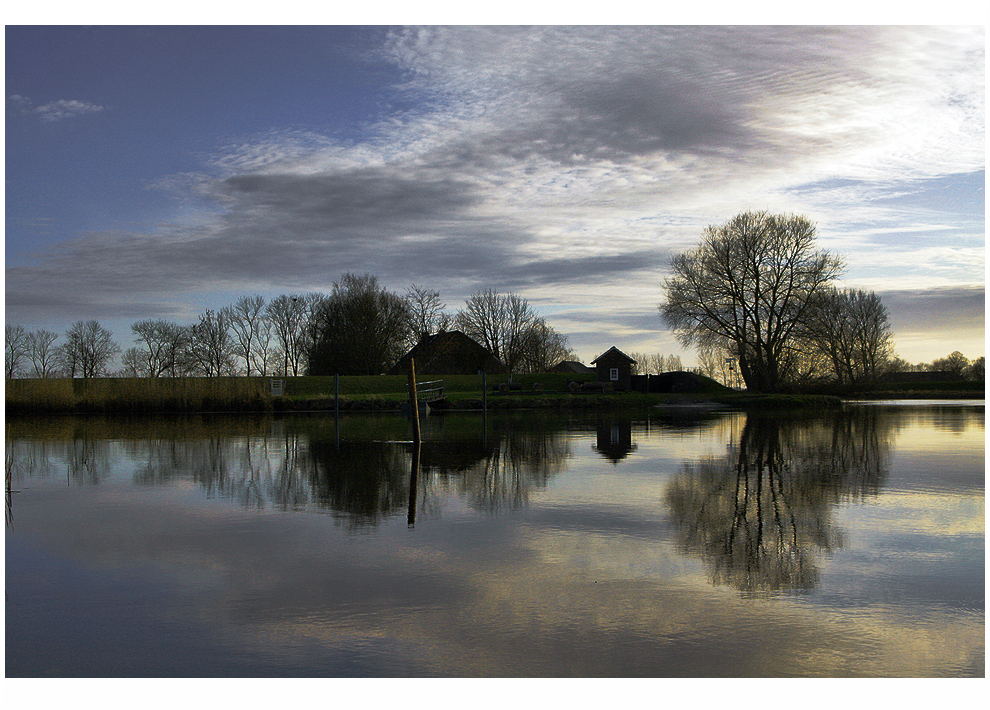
(187, 394)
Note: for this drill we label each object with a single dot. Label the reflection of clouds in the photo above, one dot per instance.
(503, 602)
(573, 585)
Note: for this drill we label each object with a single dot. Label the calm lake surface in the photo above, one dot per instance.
(525, 544)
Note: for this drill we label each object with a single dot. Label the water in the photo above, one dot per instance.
(528, 544)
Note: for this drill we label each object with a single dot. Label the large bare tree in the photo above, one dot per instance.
(165, 348)
(211, 344)
(246, 319)
(750, 283)
(288, 315)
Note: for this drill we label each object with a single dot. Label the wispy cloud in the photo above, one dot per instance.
(53, 110)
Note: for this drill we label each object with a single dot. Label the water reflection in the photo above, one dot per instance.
(613, 438)
(760, 515)
(534, 552)
(298, 464)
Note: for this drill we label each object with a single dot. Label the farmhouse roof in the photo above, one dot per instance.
(449, 352)
(573, 367)
(612, 350)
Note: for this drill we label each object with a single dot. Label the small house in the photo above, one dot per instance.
(615, 367)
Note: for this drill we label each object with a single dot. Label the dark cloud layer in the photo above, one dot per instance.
(916, 310)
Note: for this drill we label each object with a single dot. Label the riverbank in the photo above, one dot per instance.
(388, 393)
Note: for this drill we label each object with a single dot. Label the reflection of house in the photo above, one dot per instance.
(573, 367)
(449, 353)
(614, 366)
(614, 440)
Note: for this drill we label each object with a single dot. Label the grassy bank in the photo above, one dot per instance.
(387, 393)
(232, 394)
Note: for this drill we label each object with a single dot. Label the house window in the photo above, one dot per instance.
(613, 374)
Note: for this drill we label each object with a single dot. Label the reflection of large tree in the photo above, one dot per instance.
(759, 515)
(365, 481)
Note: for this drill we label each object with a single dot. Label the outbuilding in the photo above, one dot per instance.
(615, 367)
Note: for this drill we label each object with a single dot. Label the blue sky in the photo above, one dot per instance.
(157, 171)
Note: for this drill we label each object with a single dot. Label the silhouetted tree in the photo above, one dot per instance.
(851, 329)
(247, 317)
(955, 362)
(165, 347)
(15, 344)
(211, 345)
(427, 312)
(511, 330)
(543, 347)
(977, 369)
(361, 328)
(42, 353)
(750, 283)
(287, 314)
(88, 350)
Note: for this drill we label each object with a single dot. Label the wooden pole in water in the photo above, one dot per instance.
(336, 408)
(413, 403)
(413, 479)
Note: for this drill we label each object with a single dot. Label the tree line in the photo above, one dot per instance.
(358, 328)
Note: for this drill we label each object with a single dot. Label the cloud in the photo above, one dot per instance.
(551, 160)
(54, 110)
(957, 308)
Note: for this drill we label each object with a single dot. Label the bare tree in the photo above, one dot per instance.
(498, 322)
(41, 352)
(427, 311)
(977, 369)
(955, 362)
(288, 314)
(246, 318)
(718, 364)
(264, 353)
(314, 305)
(543, 347)
(166, 346)
(134, 363)
(15, 348)
(655, 363)
(851, 329)
(751, 283)
(88, 350)
(211, 345)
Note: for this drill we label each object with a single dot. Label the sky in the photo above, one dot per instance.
(156, 171)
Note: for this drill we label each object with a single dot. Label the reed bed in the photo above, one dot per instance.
(136, 395)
